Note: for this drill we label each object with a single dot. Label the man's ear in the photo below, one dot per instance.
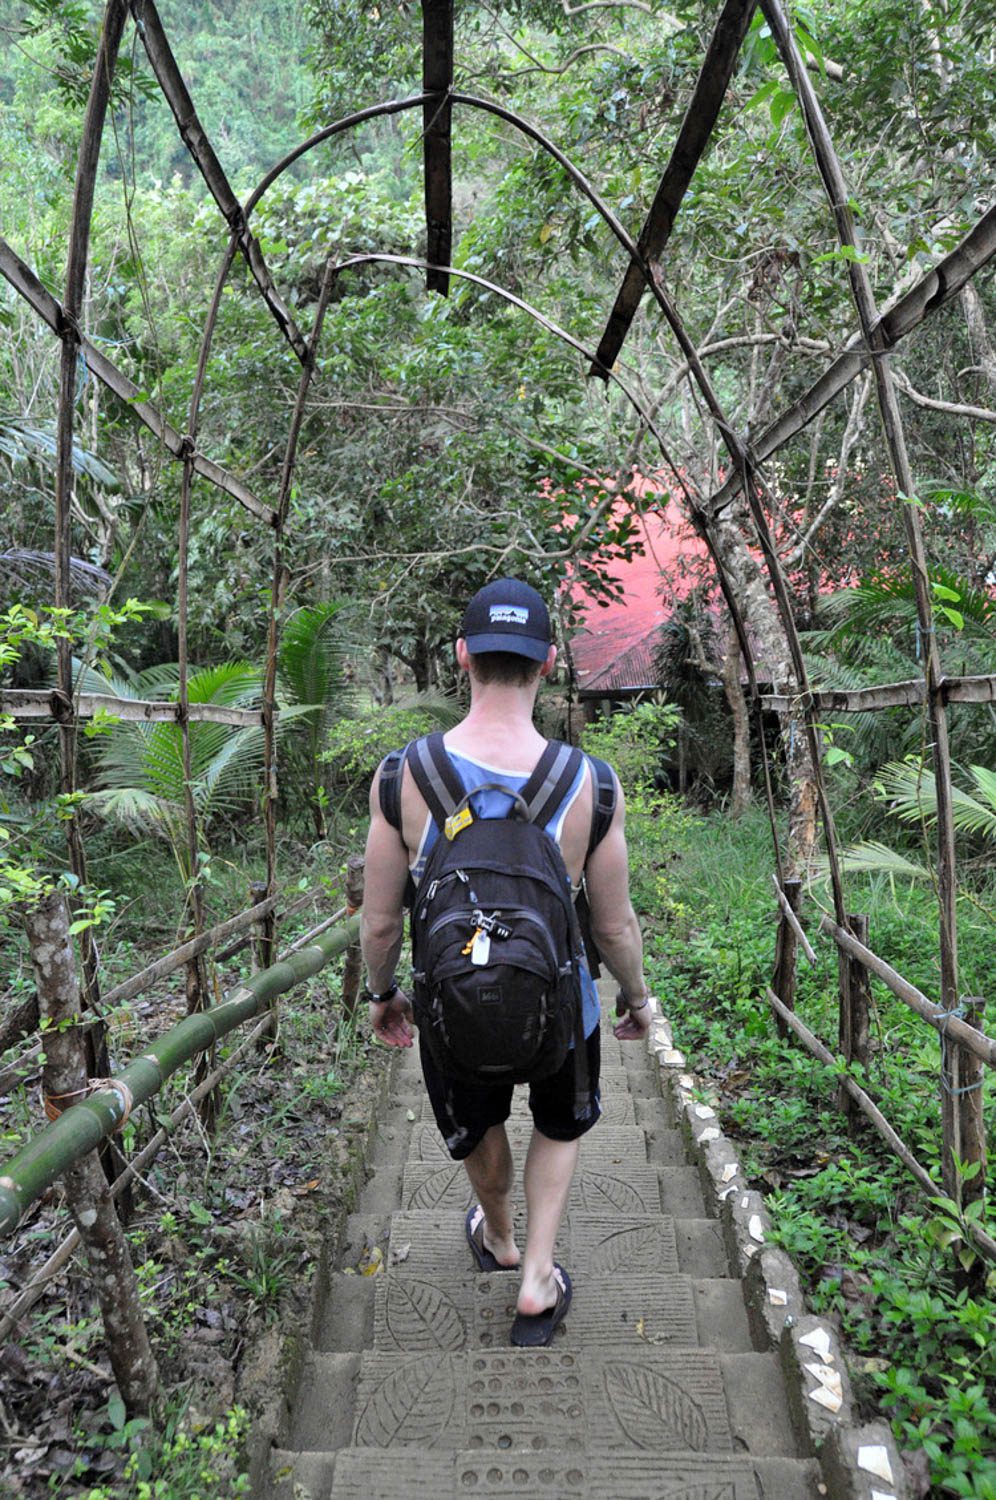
(462, 654)
(548, 665)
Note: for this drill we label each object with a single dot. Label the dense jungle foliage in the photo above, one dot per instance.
(449, 440)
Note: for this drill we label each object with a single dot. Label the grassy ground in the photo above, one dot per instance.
(870, 1247)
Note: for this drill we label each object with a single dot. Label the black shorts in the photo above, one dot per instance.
(465, 1112)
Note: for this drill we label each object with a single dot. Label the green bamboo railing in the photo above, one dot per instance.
(83, 1126)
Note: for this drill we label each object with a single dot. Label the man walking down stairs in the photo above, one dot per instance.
(652, 1389)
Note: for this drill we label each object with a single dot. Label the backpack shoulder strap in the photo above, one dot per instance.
(435, 776)
(389, 787)
(550, 781)
(603, 801)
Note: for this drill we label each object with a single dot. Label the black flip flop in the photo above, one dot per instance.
(535, 1330)
(475, 1239)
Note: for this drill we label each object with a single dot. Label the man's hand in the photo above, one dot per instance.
(391, 1020)
(635, 1023)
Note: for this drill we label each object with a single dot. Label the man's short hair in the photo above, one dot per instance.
(505, 668)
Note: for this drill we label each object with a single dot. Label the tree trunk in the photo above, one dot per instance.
(772, 652)
(740, 798)
(19, 1022)
(65, 1082)
(982, 345)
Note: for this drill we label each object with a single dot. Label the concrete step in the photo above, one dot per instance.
(362, 1312)
(608, 1402)
(602, 1184)
(358, 1474)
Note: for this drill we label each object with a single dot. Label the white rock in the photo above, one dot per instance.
(829, 1399)
(730, 1170)
(874, 1459)
(819, 1342)
(705, 1111)
(777, 1297)
(709, 1134)
(827, 1377)
(755, 1228)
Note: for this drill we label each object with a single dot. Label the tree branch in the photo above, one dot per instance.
(952, 408)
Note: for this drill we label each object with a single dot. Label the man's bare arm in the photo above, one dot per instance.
(613, 921)
(382, 922)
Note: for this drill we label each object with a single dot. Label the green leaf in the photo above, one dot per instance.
(116, 1413)
(782, 103)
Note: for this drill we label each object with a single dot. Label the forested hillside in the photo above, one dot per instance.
(447, 440)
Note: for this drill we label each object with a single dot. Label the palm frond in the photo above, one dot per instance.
(133, 808)
(313, 661)
(444, 709)
(871, 857)
(910, 788)
(23, 442)
(22, 570)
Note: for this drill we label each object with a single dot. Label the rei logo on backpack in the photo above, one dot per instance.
(496, 944)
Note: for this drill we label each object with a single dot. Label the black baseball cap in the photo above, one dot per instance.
(507, 615)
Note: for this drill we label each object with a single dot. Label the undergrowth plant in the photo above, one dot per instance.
(875, 1254)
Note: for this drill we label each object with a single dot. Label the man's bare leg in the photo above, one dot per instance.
(547, 1179)
(489, 1167)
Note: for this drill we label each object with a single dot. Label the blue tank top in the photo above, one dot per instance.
(493, 803)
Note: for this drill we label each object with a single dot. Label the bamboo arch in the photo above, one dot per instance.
(877, 334)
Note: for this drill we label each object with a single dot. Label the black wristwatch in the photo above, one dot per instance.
(373, 999)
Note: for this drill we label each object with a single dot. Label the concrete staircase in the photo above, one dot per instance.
(653, 1389)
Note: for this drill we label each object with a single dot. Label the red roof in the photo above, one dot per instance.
(614, 649)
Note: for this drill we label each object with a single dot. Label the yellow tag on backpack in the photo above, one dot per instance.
(456, 822)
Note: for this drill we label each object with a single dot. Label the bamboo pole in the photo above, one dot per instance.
(855, 1001)
(892, 695)
(39, 703)
(29, 1295)
(66, 1077)
(862, 294)
(55, 1148)
(197, 996)
(791, 916)
(194, 137)
(934, 290)
(73, 305)
(786, 938)
(692, 139)
(49, 309)
(437, 81)
(977, 1043)
(278, 586)
(872, 1113)
(971, 1134)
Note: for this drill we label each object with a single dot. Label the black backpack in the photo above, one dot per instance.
(495, 938)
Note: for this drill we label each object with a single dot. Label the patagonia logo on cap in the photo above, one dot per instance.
(508, 614)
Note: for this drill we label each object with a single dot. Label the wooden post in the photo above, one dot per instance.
(783, 982)
(973, 1130)
(257, 893)
(65, 1081)
(855, 999)
(353, 962)
(964, 1137)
